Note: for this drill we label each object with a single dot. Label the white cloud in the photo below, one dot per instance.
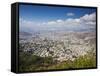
(60, 21)
(51, 23)
(86, 21)
(70, 14)
(72, 22)
(77, 20)
(26, 25)
(89, 17)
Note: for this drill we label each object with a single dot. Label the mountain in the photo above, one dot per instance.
(25, 33)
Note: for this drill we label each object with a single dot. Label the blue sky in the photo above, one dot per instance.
(32, 14)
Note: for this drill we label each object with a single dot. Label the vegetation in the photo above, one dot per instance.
(30, 62)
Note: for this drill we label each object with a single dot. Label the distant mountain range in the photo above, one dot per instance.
(22, 33)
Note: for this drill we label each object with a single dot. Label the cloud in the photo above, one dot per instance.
(51, 23)
(87, 21)
(28, 26)
(89, 17)
(72, 22)
(70, 14)
(60, 21)
(25, 23)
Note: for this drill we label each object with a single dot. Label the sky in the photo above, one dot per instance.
(49, 18)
